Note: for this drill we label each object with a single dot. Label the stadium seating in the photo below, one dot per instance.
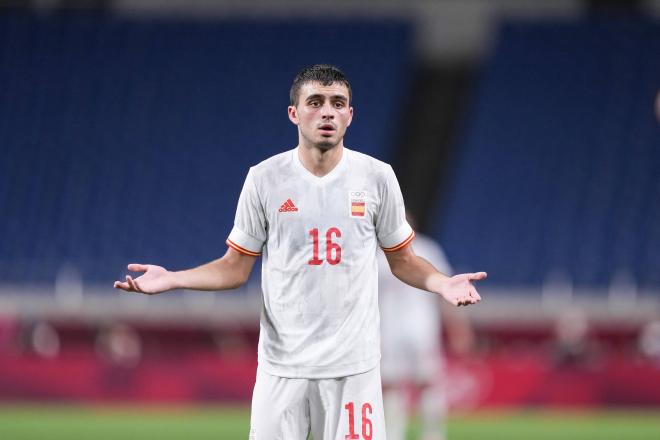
(127, 140)
(557, 170)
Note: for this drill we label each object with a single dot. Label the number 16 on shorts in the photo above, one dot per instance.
(367, 427)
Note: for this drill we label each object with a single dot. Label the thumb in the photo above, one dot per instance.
(477, 276)
(138, 267)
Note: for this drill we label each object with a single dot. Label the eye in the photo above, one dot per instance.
(339, 104)
(315, 103)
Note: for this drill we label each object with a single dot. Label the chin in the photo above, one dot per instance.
(326, 145)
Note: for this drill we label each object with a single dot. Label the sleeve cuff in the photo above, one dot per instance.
(243, 243)
(398, 239)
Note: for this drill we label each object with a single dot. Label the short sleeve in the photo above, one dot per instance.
(249, 232)
(392, 229)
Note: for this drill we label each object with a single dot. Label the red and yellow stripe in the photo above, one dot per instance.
(401, 245)
(357, 209)
(242, 250)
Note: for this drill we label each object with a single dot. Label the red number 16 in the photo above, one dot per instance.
(367, 428)
(330, 247)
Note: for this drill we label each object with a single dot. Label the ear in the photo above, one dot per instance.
(293, 114)
(350, 118)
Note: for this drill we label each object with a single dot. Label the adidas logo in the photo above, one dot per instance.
(288, 206)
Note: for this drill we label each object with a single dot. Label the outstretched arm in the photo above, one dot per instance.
(228, 272)
(417, 272)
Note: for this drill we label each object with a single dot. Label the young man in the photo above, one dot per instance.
(316, 214)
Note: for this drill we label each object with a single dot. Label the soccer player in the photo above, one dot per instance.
(316, 214)
(412, 361)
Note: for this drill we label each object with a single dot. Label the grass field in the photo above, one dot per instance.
(224, 423)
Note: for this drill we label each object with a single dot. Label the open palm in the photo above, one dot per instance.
(459, 289)
(156, 279)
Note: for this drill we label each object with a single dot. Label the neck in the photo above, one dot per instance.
(317, 161)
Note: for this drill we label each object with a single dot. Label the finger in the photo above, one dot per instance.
(134, 267)
(122, 286)
(474, 294)
(131, 283)
(467, 300)
(477, 276)
(137, 286)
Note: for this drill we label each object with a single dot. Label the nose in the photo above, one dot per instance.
(327, 111)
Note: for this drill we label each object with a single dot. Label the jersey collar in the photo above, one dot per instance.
(307, 175)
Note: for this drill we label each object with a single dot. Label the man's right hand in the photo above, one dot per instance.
(156, 279)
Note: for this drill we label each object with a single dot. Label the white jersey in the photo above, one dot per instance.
(318, 237)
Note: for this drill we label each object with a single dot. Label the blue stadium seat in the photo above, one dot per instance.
(558, 170)
(127, 140)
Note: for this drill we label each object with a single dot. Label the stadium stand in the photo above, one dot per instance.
(128, 140)
(557, 169)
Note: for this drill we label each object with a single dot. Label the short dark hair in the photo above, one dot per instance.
(325, 74)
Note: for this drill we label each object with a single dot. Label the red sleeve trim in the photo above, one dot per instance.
(403, 244)
(242, 250)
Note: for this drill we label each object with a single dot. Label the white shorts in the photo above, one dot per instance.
(417, 363)
(411, 351)
(346, 408)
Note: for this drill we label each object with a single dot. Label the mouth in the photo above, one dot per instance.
(327, 129)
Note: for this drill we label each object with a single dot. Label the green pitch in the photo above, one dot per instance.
(201, 423)
(556, 425)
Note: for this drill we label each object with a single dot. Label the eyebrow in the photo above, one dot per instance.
(333, 97)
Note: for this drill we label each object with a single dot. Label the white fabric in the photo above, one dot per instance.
(287, 409)
(319, 320)
(410, 320)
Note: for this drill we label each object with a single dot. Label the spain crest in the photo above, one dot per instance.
(358, 200)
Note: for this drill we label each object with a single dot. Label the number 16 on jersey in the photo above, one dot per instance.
(332, 249)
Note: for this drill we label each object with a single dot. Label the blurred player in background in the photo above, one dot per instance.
(317, 214)
(412, 362)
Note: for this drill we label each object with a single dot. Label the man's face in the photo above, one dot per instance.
(322, 114)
